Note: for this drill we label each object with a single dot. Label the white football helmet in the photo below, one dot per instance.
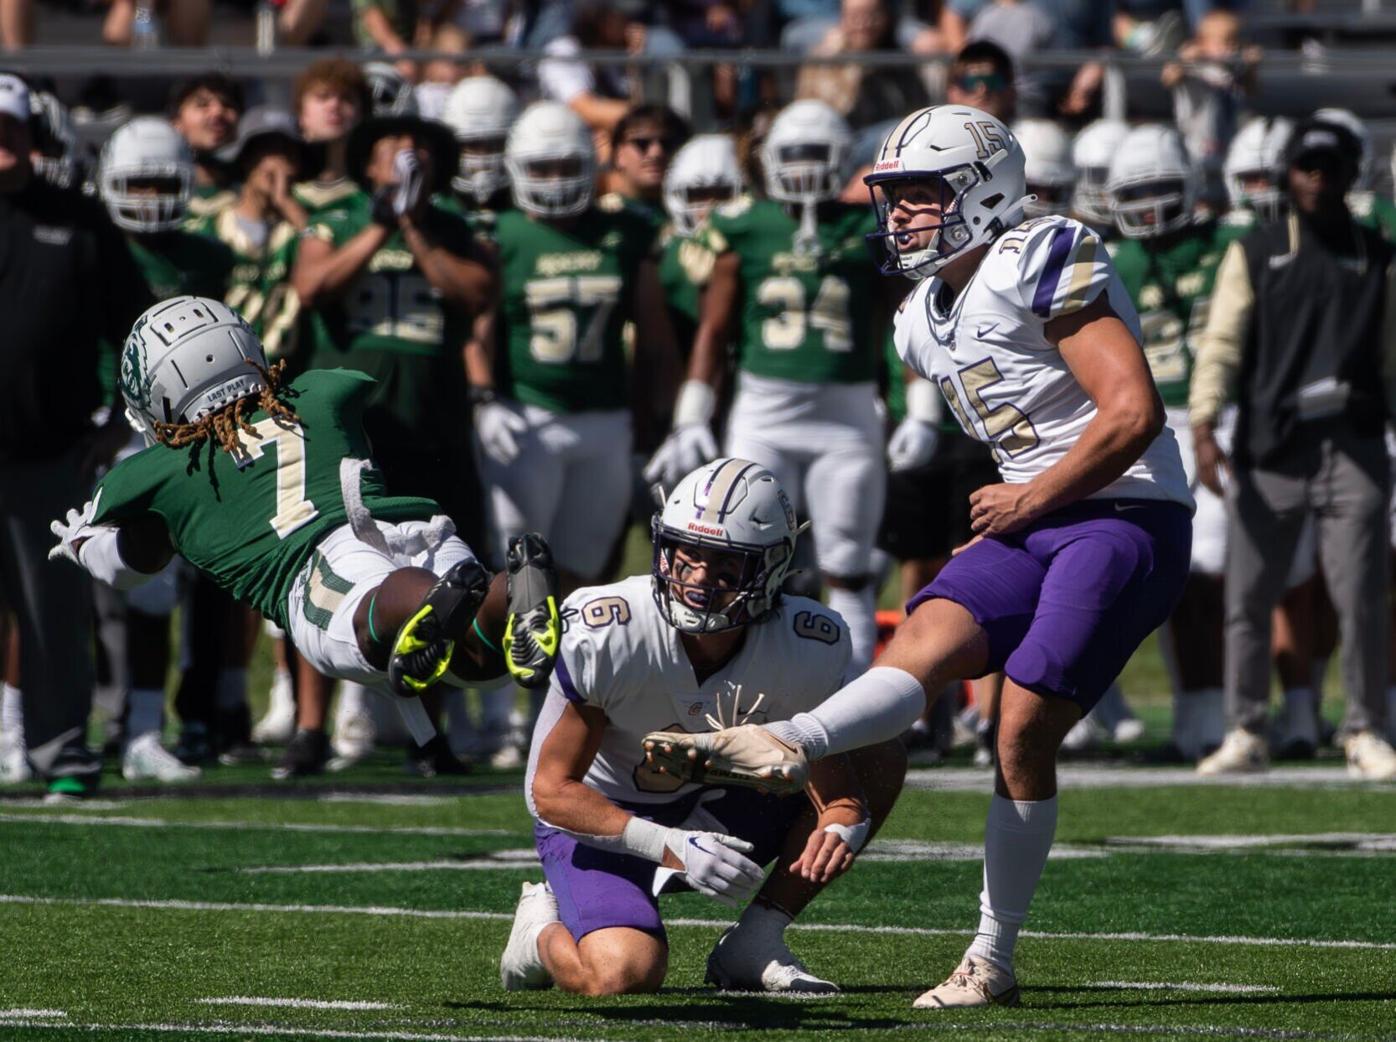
(549, 132)
(701, 171)
(1152, 187)
(147, 149)
(1350, 120)
(389, 92)
(1092, 153)
(733, 506)
(1254, 166)
(804, 153)
(55, 140)
(1049, 172)
(480, 111)
(185, 358)
(979, 167)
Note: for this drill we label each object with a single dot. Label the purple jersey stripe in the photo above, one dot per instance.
(1052, 270)
(565, 679)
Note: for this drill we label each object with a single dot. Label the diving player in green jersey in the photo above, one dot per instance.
(548, 372)
(792, 279)
(705, 173)
(480, 110)
(1168, 260)
(270, 491)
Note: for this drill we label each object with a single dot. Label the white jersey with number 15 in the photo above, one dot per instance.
(1005, 383)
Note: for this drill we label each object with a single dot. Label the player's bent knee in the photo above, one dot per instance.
(623, 962)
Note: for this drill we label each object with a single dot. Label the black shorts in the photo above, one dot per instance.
(927, 513)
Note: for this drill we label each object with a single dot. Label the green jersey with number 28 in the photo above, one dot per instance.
(807, 316)
(567, 292)
(250, 521)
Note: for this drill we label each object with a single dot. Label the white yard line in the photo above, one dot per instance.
(1220, 987)
(274, 826)
(253, 1000)
(522, 859)
(1095, 776)
(907, 931)
(287, 1031)
(26, 1014)
(388, 799)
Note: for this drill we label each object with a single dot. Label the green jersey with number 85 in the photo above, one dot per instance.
(806, 315)
(250, 521)
(567, 292)
(1171, 286)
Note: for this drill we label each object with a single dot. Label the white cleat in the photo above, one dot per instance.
(14, 763)
(1240, 753)
(1084, 734)
(748, 755)
(146, 759)
(521, 967)
(737, 966)
(1128, 730)
(1370, 757)
(279, 723)
(355, 736)
(508, 757)
(975, 982)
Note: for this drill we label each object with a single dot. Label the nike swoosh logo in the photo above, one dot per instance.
(1280, 262)
(984, 331)
(694, 841)
(1120, 508)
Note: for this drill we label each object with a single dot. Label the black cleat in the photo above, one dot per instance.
(435, 759)
(306, 754)
(533, 631)
(423, 648)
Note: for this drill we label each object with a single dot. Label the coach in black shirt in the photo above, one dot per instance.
(66, 282)
(1299, 326)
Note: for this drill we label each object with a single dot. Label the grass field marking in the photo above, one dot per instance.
(10, 1014)
(1366, 841)
(522, 859)
(1122, 776)
(904, 931)
(388, 799)
(252, 1000)
(1220, 987)
(274, 826)
(287, 1031)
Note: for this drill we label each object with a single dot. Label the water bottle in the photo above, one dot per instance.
(145, 30)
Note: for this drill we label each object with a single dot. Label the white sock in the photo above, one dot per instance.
(283, 693)
(12, 713)
(763, 924)
(1017, 838)
(876, 707)
(145, 710)
(353, 700)
(232, 688)
(1209, 715)
(859, 611)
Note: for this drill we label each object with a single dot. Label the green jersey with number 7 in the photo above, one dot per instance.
(250, 521)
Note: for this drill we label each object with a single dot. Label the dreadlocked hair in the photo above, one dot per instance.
(222, 425)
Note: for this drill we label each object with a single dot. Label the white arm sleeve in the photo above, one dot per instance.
(102, 559)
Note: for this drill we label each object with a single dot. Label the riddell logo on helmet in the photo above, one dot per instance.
(694, 526)
(887, 164)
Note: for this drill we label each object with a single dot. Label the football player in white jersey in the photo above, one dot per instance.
(1080, 552)
(706, 638)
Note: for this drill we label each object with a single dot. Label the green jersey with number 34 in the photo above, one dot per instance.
(1171, 287)
(567, 293)
(806, 315)
(250, 521)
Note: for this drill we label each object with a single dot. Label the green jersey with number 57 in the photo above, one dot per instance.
(567, 293)
(1171, 287)
(250, 522)
(806, 315)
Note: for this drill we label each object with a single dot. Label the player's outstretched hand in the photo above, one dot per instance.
(73, 532)
(716, 865)
(1212, 464)
(827, 854)
(498, 428)
(913, 444)
(687, 448)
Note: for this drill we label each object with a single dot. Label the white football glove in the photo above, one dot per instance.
(498, 427)
(716, 865)
(77, 528)
(411, 180)
(913, 444)
(686, 449)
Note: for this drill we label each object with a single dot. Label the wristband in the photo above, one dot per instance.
(644, 839)
(478, 395)
(101, 556)
(696, 404)
(923, 402)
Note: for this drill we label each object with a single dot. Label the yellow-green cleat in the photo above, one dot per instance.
(533, 630)
(424, 645)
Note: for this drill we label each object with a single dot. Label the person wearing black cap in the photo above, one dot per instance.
(66, 282)
(396, 282)
(1300, 328)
